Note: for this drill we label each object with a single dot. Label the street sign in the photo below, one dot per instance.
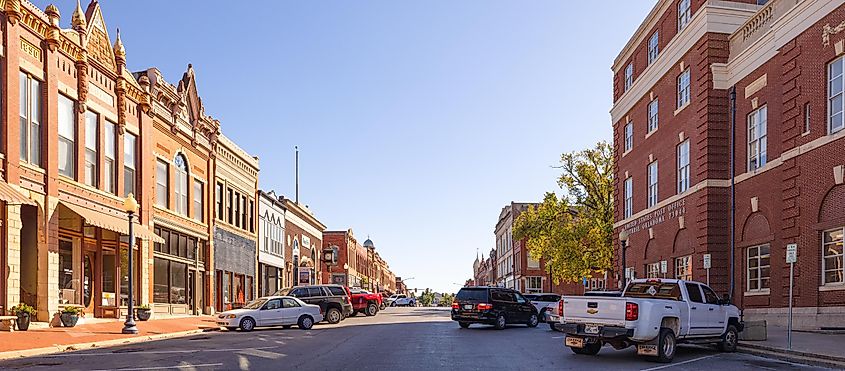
(707, 261)
(792, 253)
(664, 266)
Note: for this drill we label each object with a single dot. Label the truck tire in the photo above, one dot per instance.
(589, 349)
(371, 310)
(463, 324)
(333, 315)
(552, 326)
(729, 340)
(501, 322)
(666, 345)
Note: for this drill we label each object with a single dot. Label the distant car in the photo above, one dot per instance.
(402, 300)
(365, 302)
(546, 304)
(271, 311)
(492, 306)
(334, 300)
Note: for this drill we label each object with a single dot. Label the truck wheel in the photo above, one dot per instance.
(533, 321)
(590, 349)
(501, 322)
(552, 326)
(463, 324)
(729, 340)
(666, 345)
(333, 315)
(372, 309)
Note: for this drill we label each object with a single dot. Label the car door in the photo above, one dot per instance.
(698, 317)
(716, 316)
(317, 296)
(271, 313)
(523, 307)
(291, 310)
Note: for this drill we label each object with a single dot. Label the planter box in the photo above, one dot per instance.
(69, 320)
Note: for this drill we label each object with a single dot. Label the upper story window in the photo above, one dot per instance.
(683, 88)
(629, 198)
(109, 172)
(835, 100)
(652, 115)
(807, 117)
(91, 145)
(629, 136)
(683, 166)
(199, 194)
(684, 14)
(229, 205)
(653, 48)
(30, 114)
(180, 167)
(129, 164)
(67, 137)
(629, 76)
(652, 184)
(218, 200)
(162, 183)
(833, 271)
(757, 139)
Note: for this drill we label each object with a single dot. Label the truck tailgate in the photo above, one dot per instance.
(594, 310)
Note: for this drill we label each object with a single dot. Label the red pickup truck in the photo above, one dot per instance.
(365, 302)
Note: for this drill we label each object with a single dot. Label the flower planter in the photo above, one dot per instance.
(22, 321)
(143, 314)
(69, 319)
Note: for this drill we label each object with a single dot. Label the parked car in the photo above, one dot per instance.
(365, 302)
(271, 311)
(402, 300)
(334, 300)
(492, 306)
(546, 304)
(654, 315)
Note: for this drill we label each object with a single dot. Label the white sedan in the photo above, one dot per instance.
(271, 311)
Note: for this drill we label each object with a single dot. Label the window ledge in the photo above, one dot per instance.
(681, 108)
(32, 167)
(806, 133)
(626, 152)
(763, 292)
(650, 133)
(832, 287)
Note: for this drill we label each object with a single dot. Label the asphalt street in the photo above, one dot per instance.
(395, 339)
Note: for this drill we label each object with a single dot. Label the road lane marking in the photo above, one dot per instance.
(76, 354)
(163, 367)
(679, 363)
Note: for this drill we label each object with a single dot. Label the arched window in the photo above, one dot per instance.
(181, 184)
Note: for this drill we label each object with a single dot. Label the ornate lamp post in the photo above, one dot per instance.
(623, 241)
(131, 207)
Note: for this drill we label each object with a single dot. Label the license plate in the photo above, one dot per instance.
(647, 349)
(574, 342)
(468, 306)
(591, 329)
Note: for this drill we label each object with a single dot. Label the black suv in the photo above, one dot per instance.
(492, 306)
(335, 301)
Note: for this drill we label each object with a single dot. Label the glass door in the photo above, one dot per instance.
(88, 282)
(192, 300)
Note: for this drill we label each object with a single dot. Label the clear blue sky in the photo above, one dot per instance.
(417, 120)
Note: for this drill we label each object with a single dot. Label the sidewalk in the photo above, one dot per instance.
(817, 348)
(98, 334)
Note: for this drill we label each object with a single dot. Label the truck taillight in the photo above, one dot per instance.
(485, 306)
(560, 308)
(632, 311)
(455, 305)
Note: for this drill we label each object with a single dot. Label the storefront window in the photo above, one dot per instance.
(238, 286)
(227, 290)
(109, 287)
(178, 287)
(68, 284)
(249, 288)
(160, 286)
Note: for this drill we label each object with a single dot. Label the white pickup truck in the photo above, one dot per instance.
(653, 315)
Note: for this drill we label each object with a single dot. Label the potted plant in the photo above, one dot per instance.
(24, 313)
(70, 315)
(143, 312)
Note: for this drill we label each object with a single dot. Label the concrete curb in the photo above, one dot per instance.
(98, 344)
(806, 358)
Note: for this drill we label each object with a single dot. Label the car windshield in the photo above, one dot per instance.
(472, 295)
(255, 304)
(654, 290)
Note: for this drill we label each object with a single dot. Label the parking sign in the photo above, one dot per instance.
(792, 253)
(707, 261)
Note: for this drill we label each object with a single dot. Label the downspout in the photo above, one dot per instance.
(732, 97)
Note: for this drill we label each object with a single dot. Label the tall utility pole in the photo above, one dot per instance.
(296, 148)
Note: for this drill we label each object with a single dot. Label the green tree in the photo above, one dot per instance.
(573, 233)
(426, 298)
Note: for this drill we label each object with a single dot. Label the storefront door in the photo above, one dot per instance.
(88, 281)
(192, 300)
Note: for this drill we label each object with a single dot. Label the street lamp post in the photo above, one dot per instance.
(623, 241)
(131, 207)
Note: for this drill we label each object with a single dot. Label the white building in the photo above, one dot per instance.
(271, 243)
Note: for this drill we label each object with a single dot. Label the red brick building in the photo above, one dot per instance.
(672, 136)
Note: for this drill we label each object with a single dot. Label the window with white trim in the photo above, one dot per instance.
(652, 115)
(162, 182)
(199, 200)
(757, 139)
(652, 270)
(532, 263)
(758, 268)
(629, 76)
(835, 97)
(92, 125)
(652, 184)
(683, 88)
(683, 166)
(683, 268)
(629, 197)
(684, 14)
(629, 136)
(30, 119)
(180, 165)
(67, 137)
(653, 48)
(833, 271)
(807, 117)
(533, 284)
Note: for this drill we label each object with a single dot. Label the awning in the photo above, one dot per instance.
(111, 222)
(10, 195)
